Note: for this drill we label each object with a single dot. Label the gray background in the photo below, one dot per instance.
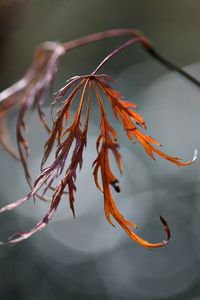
(86, 258)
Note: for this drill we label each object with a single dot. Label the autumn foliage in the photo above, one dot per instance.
(69, 136)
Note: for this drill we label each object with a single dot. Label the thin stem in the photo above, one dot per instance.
(115, 52)
(154, 53)
(147, 46)
(104, 35)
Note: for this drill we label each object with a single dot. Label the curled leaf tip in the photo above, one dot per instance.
(195, 156)
(166, 228)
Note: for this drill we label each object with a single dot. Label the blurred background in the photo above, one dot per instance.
(86, 258)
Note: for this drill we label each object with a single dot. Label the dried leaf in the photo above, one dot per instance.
(73, 137)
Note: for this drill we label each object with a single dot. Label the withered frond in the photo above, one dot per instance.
(108, 141)
(28, 92)
(72, 134)
(70, 139)
(124, 112)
